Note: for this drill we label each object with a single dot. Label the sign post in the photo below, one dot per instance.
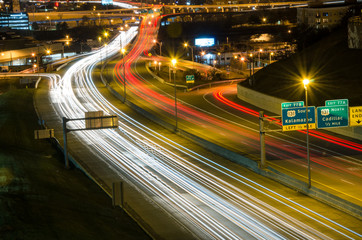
(93, 120)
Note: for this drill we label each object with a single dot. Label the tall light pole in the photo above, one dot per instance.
(260, 51)
(306, 82)
(124, 74)
(159, 44)
(251, 62)
(270, 56)
(174, 61)
(202, 54)
(100, 51)
(50, 21)
(186, 45)
(242, 59)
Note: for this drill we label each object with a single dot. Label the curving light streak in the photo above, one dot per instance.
(218, 94)
(224, 130)
(207, 204)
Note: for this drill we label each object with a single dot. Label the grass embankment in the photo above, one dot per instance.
(334, 68)
(39, 198)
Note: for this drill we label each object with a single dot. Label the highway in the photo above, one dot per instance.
(218, 116)
(210, 199)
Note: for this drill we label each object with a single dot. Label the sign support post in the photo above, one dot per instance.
(262, 139)
(91, 124)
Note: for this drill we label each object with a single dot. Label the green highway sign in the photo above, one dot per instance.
(295, 118)
(292, 104)
(332, 116)
(337, 102)
(190, 78)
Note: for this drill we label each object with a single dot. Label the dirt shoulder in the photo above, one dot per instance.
(39, 198)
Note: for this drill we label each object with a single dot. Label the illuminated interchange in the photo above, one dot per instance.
(205, 196)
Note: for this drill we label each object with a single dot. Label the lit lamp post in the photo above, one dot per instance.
(219, 54)
(155, 64)
(33, 55)
(251, 62)
(270, 57)
(174, 61)
(159, 44)
(50, 21)
(242, 59)
(202, 54)
(306, 82)
(260, 51)
(124, 73)
(100, 51)
(186, 45)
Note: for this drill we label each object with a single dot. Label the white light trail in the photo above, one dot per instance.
(205, 203)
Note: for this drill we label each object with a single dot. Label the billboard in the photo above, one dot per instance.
(204, 42)
(107, 2)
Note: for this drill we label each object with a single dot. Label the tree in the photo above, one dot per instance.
(85, 20)
(35, 26)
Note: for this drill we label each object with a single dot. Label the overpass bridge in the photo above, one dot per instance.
(104, 15)
(167, 9)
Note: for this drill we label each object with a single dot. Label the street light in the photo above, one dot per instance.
(242, 59)
(155, 63)
(202, 54)
(306, 82)
(100, 51)
(251, 62)
(186, 45)
(160, 44)
(50, 21)
(174, 61)
(260, 51)
(270, 55)
(124, 73)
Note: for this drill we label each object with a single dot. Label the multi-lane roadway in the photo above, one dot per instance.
(212, 198)
(218, 116)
